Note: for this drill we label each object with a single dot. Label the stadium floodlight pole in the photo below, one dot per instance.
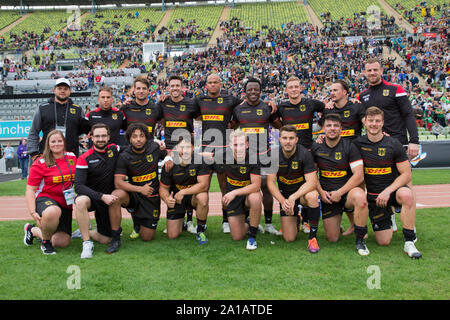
(163, 6)
(93, 7)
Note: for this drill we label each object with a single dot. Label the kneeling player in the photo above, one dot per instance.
(340, 173)
(297, 181)
(184, 187)
(140, 194)
(387, 173)
(242, 190)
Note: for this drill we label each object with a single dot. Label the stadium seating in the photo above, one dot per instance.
(8, 17)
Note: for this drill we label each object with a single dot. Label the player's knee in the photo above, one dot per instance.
(254, 199)
(406, 197)
(333, 237)
(384, 242)
(289, 237)
(52, 213)
(312, 199)
(202, 199)
(82, 202)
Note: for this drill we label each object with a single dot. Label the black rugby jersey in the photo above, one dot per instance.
(178, 115)
(216, 114)
(334, 163)
(255, 121)
(291, 171)
(398, 113)
(351, 115)
(141, 168)
(183, 177)
(237, 175)
(380, 159)
(113, 118)
(301, 117)
(148, 115)
(94, 174)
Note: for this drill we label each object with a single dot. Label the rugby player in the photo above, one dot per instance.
(185, 186)
(242, 190)
(140, 194)
(297, 181)
(94, 183)
(253, 117)
(387, 173)
(340, 175)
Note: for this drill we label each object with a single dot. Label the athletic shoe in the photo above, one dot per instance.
(28, 237)
(306, 228)
(77, 233)
(394, 225)
(411, 250)
(260, 229)
(225, 227)
(313, 246)
(201, 238)
(134, 235)
(114, 246)
(47, 248)
(271, 229)
(88, 248)
(251, 244)
(165, 230)
(191, 228)
(361, 247)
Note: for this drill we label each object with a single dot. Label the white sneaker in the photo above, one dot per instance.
(411, 250)
(226, 227)
(251, 244)
(76, 234)
(271, 229)
(191, 228)
(305, 228)
(394, 225)
(260, 229)
(88, 248)
(165, 230)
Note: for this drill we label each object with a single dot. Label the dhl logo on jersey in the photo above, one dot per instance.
(333, 174)
(212, 117)
(145, 177)
(176, 124)
(347, 133)
(378, 171)
(301, 126)
(253, 130)
(180, 187)
(287, 181)
(237, 183)
(58, 179)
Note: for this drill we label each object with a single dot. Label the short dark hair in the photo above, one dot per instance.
(344, 85)
(332, 117)
(254, 80)
(137, 126)
(105, 88)
(372, 60)
(175, 77)
(142, 79)
(288, 128)
(99, 126)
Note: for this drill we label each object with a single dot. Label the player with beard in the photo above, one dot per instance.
(94, 183)
(139, 162)
(254, 117)
(387, 173)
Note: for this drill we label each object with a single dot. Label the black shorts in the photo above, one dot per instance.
(333, 209)
(146, 210)
(179, 210)
(381, 217)
(65, 220)
(237, 206)
(101, 217)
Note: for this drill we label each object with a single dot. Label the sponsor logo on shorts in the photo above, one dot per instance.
(378, 171)
(333, 174)
(237, 183)
(212, 117)
(301, 126)
(348, 133)
(287, 181)
(145, 177)
(176, 124)
(253, 130)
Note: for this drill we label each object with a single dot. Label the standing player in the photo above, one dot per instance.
(140, 193)
(105, 113)
(242, 190)
(185, 186)
(297, 181)
(340, 174)
(393, 101)
(299, 112)
(387, 173)
(94, 183)
(351, 116)
(253, 117)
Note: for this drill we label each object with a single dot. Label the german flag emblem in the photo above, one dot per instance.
(259, 112)
(149, 158)
(381, 152)
(294, 165)
(148, 112)
(72, 111)
(338, 155)
(242, 170)
(192, 172)
(302, 107)
(346, 113)
(385, 92)
(182, 107)
(219, 100)
(110, 154)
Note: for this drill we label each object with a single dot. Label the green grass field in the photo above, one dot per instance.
(224, 269)
(420, 177)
